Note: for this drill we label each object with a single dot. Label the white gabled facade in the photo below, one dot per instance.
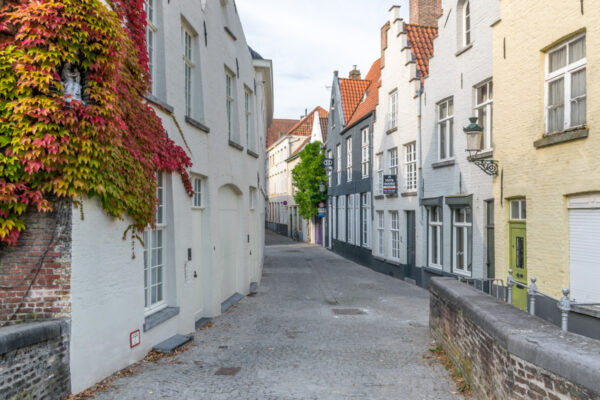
(215, 99)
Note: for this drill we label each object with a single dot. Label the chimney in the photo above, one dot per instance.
(425, 12)
(354, 74)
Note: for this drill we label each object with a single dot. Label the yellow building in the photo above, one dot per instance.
(547, 143)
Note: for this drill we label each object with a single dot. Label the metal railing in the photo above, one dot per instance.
(493, 285)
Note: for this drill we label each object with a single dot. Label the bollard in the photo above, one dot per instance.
(509, 285)
(531, 291)
(564, 305)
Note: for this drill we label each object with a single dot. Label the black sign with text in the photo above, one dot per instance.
(390, 184)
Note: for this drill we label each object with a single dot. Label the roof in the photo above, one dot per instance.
(305, 125)
(277, 128)
(254, 54)
(299, 149)
(352, 91)
(371, 96)
(420, 40)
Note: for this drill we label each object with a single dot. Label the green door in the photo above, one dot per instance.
(518, 263)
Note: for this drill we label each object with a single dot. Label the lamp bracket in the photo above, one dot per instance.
(490, 167)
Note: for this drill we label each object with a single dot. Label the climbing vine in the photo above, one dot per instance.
(110, 144)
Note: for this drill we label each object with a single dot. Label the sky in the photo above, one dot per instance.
(309, 39)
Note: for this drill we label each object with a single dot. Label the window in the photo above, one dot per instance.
(189, 68)
(341, 234)
(231, 107)
(366, 219)
(252, 198)
(410, 166)
(466, 24)
(151, 30)
(393, 112)
(518, 210)
(393, 161)
(329, 156)
(197, 198)
(154, 252)
(445, 127)
(379, 166)
(249, 120)
(366, 154)
(357, 235)
(334, 218)
(339, 164)
(350, 203)
(566, 83)
(435, 237)
(483, 110)
(395, 234)
(380, 222)
(461, 240)
(349, 159)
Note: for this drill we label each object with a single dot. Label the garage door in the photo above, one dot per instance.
(584, 254)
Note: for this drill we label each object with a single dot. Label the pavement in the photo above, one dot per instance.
(320, 327)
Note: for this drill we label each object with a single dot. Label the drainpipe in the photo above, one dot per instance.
(420, 189)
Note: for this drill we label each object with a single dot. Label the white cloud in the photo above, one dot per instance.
(309, 39)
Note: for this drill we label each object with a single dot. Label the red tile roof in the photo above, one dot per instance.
(371, 96)
(305, 125)
(420, 40)
(352, 93)
(277, 128)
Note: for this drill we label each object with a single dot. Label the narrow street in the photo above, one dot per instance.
(289, 343)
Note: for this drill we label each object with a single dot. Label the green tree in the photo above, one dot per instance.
(306, 177)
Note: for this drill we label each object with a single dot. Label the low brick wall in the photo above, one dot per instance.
(504, 353)
(34, 361)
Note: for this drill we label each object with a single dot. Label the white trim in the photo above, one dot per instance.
(584, 201)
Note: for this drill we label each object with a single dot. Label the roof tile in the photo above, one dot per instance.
(420, 40)
(277, 128)
(371, 96)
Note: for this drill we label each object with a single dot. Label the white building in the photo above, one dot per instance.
(215, 98)
(457, 195)
(405, 52)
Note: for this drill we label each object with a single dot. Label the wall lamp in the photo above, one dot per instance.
(474, 133)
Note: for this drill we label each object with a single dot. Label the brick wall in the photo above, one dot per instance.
(506, 354)
(425, 12)
(34, 361)
(35, 274)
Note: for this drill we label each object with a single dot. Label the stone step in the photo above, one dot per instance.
(231, 301)
(201, 322)
(172, 343)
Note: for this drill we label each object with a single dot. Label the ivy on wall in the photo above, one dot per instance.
(109, 145)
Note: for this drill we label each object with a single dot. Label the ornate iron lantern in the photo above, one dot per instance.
(474, 133)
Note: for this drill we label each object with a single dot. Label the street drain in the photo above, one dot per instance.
(228, 371)
(348, 311)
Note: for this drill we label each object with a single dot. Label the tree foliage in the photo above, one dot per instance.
(306, 177)
(111, 146)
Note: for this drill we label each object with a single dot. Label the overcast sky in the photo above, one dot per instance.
(309, 39)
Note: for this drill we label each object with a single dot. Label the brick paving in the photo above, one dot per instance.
(287, 343)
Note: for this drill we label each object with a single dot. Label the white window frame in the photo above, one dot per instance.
(230, 89)
(350, 218)
(446, 121)
(366, 220)
(349, 159)
(380, 233)
(334, 218)
(410, 167)
(435, 223)
(466, 21)
(154, 249)
(365, 152)
(357, 235)
(484, 107)
(252, 198)
(393, 110)
(189, 67)
(521, 210)
(395, 235)
(339, 163)
(379, 182)
(249, 119)
(342, 218)
(198, 197)
(151, 31)
(463, 228)
(564, 73)
(393, 161)
(329, 156)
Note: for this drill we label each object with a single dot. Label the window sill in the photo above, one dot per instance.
(159, 103)
(408, 194)
(378, 196)
(391, 130)
(251, 153)
(464, 49)
(159, 317)
(562, 137)
(198, 125)
(236, 146)
(481, 156)
(394, 262)
(379, 258)
(441, 164)
(463, 274)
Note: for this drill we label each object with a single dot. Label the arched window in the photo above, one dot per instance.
(466, 20)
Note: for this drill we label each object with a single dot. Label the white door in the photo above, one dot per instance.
(584, 254)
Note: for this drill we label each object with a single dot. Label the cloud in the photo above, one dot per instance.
(309, 39)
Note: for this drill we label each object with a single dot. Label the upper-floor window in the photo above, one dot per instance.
(339, 164)
(189, 68)
(392, 119)
(445, 128)
(379, 166)
(410, 166)
(466, 19)
(483, 110)
(252, 198)
(566, 85)
(230, 90)
(151, 31)
(366, 154)
(249, 120)
(349, 159)
(393, 161)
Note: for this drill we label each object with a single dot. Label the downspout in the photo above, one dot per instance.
(421, 188)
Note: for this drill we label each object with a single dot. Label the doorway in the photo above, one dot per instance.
(410, 239)
(518, 263)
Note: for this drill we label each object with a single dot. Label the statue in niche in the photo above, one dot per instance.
(71, 80)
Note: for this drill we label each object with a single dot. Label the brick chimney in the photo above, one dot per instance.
(425, 12)
(354, 74)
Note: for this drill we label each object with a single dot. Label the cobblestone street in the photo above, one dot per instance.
(290, 343)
